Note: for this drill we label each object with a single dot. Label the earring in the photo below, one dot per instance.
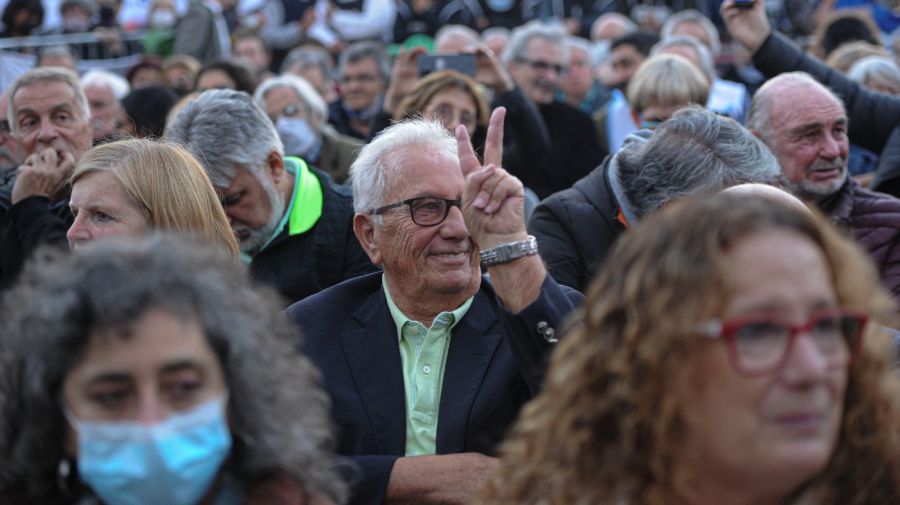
(63, 472)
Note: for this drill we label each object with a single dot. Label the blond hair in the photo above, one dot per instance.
(610, 425)
(842, 58)
(167, 183)
(667, 80)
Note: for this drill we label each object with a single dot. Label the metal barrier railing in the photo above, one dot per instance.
(86, 46)
(17, 54)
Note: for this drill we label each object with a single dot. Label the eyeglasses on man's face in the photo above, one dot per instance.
(759, 345)
(543, 66)
(424, 210)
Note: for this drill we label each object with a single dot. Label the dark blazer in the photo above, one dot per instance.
(577, 227)
(495, 364)
(328, 253)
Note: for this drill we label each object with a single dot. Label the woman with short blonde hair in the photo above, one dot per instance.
(663, 84)
(161, 181)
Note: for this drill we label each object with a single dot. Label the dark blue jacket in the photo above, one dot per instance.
(495, 364)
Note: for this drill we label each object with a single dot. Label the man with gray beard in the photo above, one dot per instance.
(805, 126)
(292, 222)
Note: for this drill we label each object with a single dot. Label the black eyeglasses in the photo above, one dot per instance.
(760, 346)
(424, 210)
(543, 66)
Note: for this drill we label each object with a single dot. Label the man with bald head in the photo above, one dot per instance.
(611, 26)
(805, 125)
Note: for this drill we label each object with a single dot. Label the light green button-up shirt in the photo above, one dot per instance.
(423, 354)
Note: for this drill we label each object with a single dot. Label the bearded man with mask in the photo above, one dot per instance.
(300, 116)
(292, 222)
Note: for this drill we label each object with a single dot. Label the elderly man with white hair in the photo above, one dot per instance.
(50, 119)
(429, 362)
(105, 91)
(805, 125)
(300, 116)
(537, 57)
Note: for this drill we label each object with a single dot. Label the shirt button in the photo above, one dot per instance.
(426, 369)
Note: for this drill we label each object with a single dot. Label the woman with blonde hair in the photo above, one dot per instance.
(662, 85)
(449, 97)
(723, 357)
(132, 186)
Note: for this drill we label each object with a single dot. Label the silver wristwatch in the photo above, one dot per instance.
(504, 253)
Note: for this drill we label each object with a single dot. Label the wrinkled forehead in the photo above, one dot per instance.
(50, 91)
(805, 104)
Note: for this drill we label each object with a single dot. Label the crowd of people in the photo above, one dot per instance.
(378, 251)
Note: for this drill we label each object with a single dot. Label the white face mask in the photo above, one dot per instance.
(162, 19)
(298, 137)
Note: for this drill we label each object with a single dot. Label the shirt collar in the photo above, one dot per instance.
(400, 318)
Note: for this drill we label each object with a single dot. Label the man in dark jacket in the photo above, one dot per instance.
(293, 224)
(51, 121)
(363, 73)
(429, 363)
(693, 152)
(805, 125)
(874, 116)
(537, 59)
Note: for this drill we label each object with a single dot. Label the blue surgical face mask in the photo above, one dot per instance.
(173, 462)
(298, 138)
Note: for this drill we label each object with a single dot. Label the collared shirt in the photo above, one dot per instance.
(423, 356)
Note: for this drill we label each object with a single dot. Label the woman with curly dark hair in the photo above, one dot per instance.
(723, 358)
(150, 372)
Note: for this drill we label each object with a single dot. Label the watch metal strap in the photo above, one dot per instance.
(504, 253)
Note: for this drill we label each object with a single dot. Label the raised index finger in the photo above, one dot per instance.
(493, 145)
(468, 162)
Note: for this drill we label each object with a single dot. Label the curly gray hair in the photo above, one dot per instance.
(692, 153)
(278, 413)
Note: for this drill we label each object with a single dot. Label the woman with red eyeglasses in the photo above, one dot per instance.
(731, 352)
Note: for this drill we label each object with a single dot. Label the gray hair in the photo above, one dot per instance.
(309, 56)
(494, 31)
(305, 93)
(693, 16)
(369, 172)
(581, 43)
(629, 25)
(447, 31)
(707, 63)
(523, 35)
(224, 128)
(116, 83)
(877, 67)
(694, 152)
(278, 413)
(366, 49)
(55, 50)
(47, 74)
(760, 107)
